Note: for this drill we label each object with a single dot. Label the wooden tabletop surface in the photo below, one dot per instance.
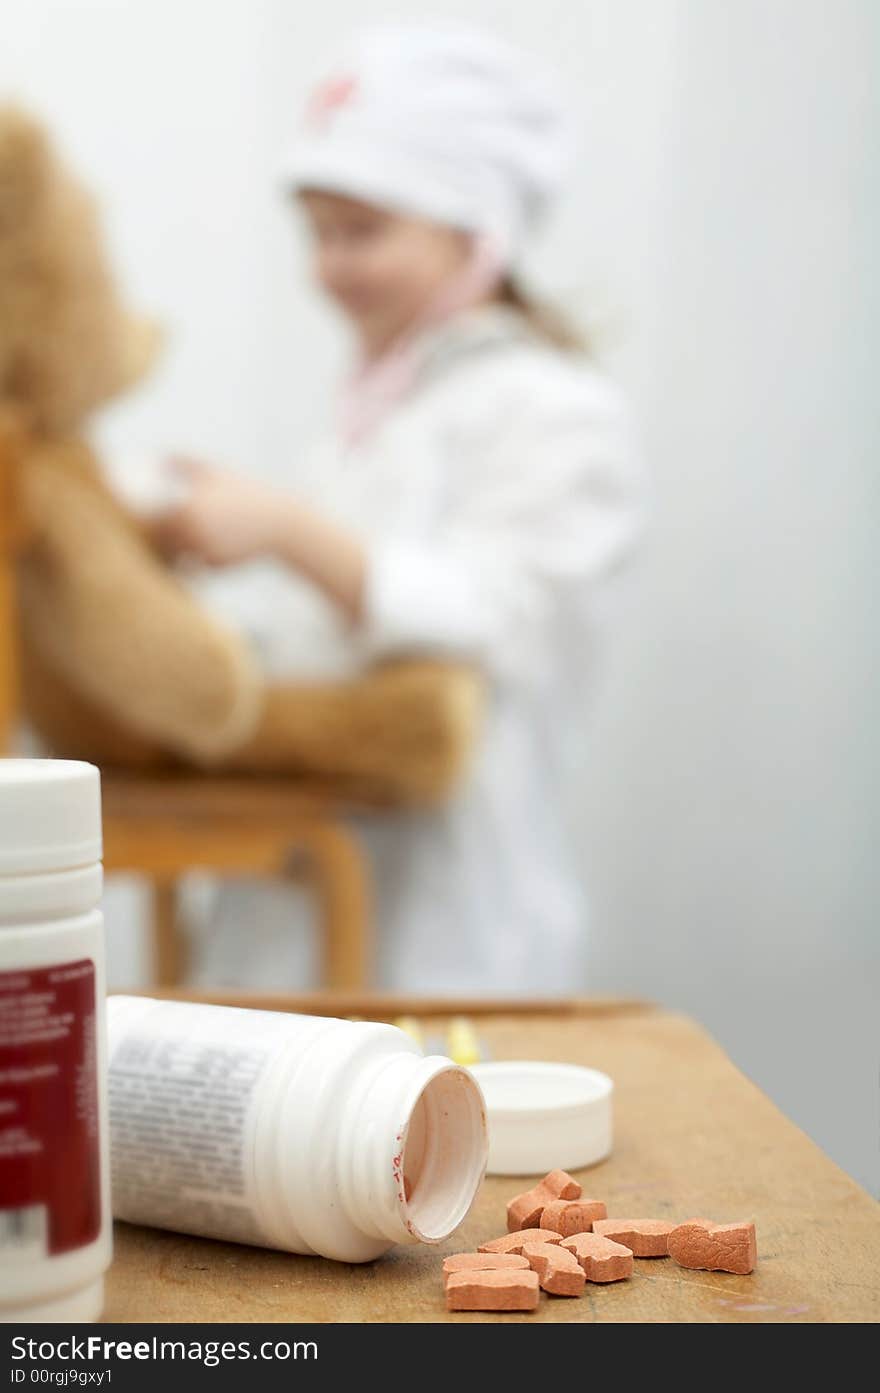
(693, 1136)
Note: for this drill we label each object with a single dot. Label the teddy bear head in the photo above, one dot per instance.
(67, 342)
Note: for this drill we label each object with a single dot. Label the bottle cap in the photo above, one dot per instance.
(50, 815)
(545, 1117)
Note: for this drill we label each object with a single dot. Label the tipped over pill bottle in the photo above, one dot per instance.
(304, 1133)
(55, 1230)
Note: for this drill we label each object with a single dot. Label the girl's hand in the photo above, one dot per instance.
(223, 519)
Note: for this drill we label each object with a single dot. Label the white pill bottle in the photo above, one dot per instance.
(55, 1230)
(304, 1133)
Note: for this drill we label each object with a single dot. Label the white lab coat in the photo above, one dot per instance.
(492, 502)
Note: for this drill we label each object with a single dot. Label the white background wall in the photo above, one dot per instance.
(722, 232)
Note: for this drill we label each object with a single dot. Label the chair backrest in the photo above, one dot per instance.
(11, 540)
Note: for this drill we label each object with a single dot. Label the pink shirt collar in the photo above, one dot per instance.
(377, 386)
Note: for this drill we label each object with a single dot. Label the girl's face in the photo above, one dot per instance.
(380, 267)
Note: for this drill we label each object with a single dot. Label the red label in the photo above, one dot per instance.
(50, 1192)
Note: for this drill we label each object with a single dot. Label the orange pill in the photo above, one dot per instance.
(572, 1216)
(602, 1259)
(645, 1238)
(524, 1211)
(492, 1291)
(559, 1271)
(514, 1242)
(483, 1262)
(716, 1247)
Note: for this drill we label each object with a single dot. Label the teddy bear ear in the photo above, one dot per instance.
(26, 162)
(67, 340)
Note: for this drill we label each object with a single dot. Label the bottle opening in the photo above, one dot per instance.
(444, 1156)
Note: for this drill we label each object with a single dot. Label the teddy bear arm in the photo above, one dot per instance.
(401, 733)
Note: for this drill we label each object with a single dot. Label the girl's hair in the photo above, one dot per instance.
(544, 319)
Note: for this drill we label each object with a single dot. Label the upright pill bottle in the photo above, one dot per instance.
(304, 1133)
(55, 1232)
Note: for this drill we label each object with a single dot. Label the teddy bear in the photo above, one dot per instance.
(119, 662)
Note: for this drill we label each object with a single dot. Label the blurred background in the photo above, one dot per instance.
(721, 242)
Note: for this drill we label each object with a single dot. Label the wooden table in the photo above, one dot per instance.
(693, 1136)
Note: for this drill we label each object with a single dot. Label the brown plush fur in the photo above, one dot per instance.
(107, 618)
(120, 664)
(67, 344)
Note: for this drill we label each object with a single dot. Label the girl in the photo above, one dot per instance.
(470, 498)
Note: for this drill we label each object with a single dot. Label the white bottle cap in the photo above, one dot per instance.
(50, 815)
(545, 1117)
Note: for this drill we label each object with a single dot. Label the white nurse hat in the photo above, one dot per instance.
(447, 124)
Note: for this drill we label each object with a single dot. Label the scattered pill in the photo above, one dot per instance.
(558, 1241)
(646, 1238)
(717, 1247)
(483, 1262)
(559, 1271)
(572, 1216)
(495, 1290)
(602, 1259)
(524, 1211)
(515, 1242)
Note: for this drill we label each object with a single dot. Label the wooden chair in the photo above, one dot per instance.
(162, 827)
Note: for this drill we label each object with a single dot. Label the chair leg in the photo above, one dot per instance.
(342, 886)
(169, 956)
